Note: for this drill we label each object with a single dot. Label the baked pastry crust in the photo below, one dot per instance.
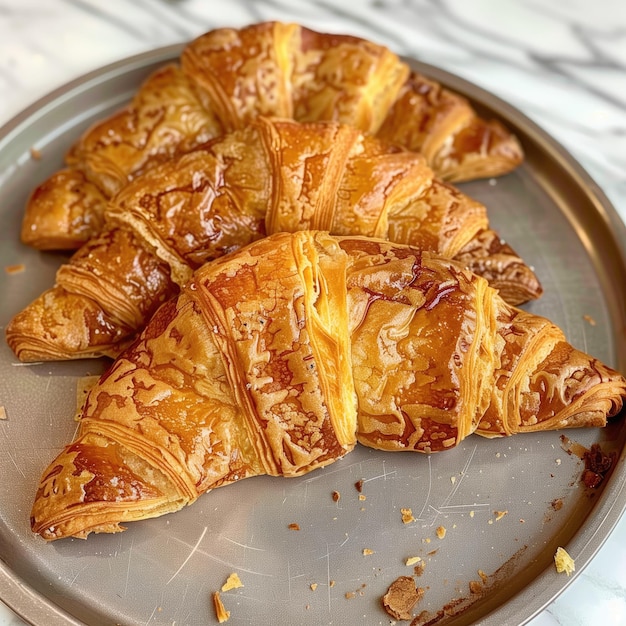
(269, 176)
(276, 359)
(227, 78)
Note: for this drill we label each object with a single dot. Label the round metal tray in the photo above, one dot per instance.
(164, 571)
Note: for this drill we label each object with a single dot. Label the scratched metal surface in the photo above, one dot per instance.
(164, 571)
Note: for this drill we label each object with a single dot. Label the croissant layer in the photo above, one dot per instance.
(269, 176)
(227, 78)
(278, 358)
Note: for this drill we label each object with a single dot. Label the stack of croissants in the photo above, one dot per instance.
(268, 245)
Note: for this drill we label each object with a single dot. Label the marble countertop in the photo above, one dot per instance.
(562, 64)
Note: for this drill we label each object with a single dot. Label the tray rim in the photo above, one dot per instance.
(39, 610)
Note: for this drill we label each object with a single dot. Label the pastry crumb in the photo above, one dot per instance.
(475, 586)
(336, 496)
(441, 532)
(500, 514)
(18, 268)
(589, 320)
(35, 154)
(294, 526)
(564, 562)
(3, 413)
(402, 595)
(359, 485)
(407, 516)
(362, 497)
(412, 560)
(367, 551)
(313, 586)
(220, 610)
(232, 582)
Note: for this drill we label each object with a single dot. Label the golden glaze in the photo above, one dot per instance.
(276, 358)
(272, 175)
(228, 77)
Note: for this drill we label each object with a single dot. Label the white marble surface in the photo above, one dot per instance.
(562, 63)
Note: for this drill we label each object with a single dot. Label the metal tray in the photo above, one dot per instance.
(164, 571)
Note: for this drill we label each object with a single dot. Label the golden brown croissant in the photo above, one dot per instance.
(273, 175)
(227, 78)
(277, 358)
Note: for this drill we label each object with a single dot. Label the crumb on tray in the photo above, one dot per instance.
(402, 595)
(18, 268)
(232, 582)
(563, 561)
(220, 610)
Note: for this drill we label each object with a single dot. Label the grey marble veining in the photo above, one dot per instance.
(561, 63)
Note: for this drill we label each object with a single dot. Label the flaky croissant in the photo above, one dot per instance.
(272, 175)
(276, 359)
(226, 79)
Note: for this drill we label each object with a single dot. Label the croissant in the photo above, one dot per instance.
(272, 175)
(278, 358)
(228, 77)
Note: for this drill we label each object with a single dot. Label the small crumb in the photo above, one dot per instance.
(402, 595)
(367, 551)
(412, 560)
(441, 532)
(359, 485)
(313, 586)
(336, 496)
(220, 611)
(471, 513)
(589, 320)
(426, 540)
(564, 562)
(294, 526)
(500, 514)
(453, 479)
(557, 504)
(522, 521)
(35, 154)
(558, 461)
(232, 582)
(18, 268)
(362, 497)
(331, 583)
(350, 595)
(3, 413)
(407, 516)
(483, 576)
(497, 455)
(475, 586)
(418, 570)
